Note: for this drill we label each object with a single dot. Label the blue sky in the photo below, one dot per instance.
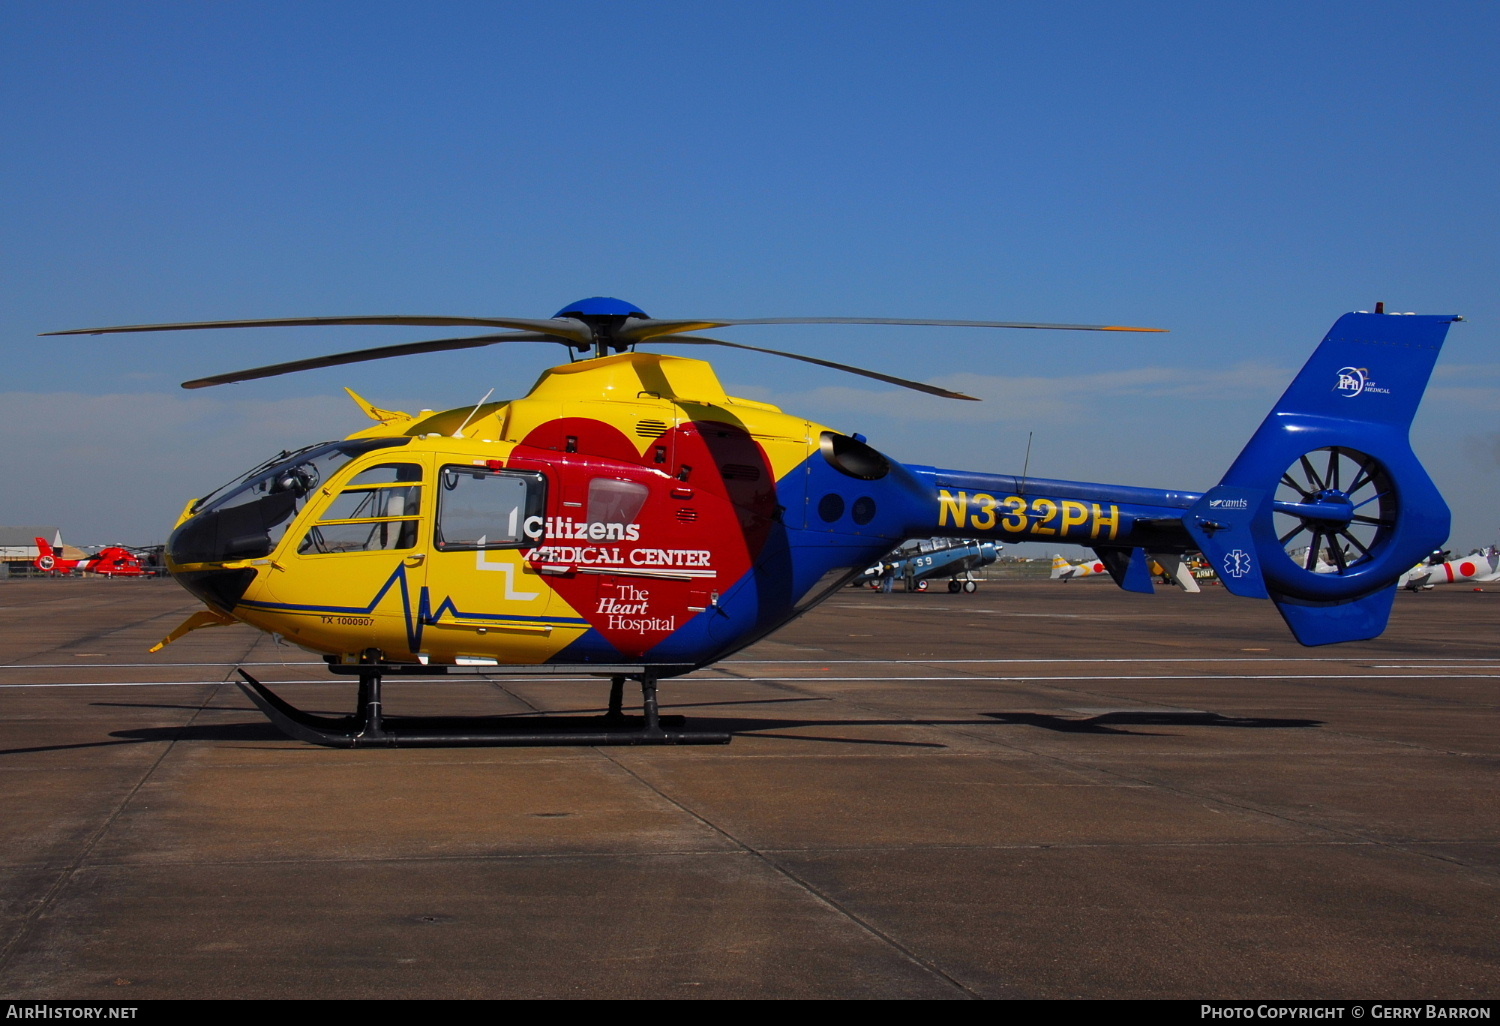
(1240, 174)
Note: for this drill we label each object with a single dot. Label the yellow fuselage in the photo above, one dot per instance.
(651, 494)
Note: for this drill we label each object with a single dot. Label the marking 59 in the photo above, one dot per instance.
(1018, 514)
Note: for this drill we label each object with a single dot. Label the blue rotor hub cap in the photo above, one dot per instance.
(600, 306)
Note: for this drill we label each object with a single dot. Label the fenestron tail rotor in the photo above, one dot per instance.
(601, 324)
(1339, 501)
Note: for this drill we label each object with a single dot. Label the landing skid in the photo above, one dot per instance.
(368, 727)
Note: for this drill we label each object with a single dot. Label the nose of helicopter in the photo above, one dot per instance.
(191, 546)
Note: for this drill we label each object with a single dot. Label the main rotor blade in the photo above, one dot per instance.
(562, 327)
(699, 340)
(361, 355)
(638, 330)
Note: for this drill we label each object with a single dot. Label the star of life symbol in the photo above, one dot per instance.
(1237, 563)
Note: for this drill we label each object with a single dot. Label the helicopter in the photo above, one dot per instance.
(627, 518)
(110, 561)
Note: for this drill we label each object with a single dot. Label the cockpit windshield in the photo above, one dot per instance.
(246, 519)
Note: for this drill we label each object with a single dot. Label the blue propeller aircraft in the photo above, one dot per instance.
(920, 560)
(629, 519)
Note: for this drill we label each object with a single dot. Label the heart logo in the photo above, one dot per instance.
(707, 504)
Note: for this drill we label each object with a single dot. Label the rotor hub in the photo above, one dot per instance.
(600, 306)
(604, 317)
(1335, 506)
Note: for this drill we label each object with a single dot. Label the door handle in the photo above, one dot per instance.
(415, 560)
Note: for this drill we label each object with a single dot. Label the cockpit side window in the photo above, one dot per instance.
(248, 518)
(377, 511)
(489, 509)
(375, 503)
(386, 473)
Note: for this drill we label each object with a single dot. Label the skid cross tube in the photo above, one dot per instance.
(369, 727)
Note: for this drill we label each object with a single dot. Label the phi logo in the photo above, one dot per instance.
(1352, 381)
(1237, 563)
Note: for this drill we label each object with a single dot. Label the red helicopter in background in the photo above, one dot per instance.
(111, 561)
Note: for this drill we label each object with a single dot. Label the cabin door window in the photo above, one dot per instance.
(489, 509)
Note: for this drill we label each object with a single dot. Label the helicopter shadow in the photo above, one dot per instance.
(250, 731)
(1105, 723)
(788, 728)
(1110, 722)
(1102, 723)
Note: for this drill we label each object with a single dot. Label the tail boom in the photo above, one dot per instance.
(1330, 467)
(966, 504)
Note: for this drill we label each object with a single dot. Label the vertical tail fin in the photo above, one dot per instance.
(47, 556)
(1332, 468)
